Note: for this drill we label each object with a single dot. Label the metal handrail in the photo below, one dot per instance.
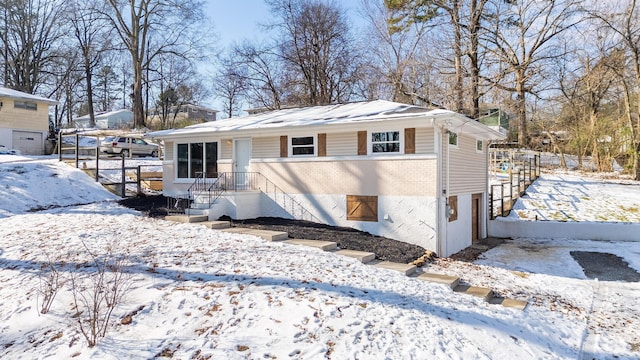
(248, 181)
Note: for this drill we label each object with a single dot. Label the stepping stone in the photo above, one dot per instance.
(363, 256)
(264, 234)
(217, 224)
(513, 303)
(451, 281)
(406, 269)
(187, 218)
(477, 291)
(322, 245)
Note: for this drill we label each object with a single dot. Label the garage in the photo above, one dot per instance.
(28, 142)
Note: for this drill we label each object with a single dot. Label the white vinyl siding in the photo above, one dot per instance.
(168, 150)
(468, 168)
(342, 144)
(265, 147)
(226, 149)
(425, 141)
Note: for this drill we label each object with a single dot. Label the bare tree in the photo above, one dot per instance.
(264, 78)
(93, 38)
(623, 19)
(398, 58)
(31, 31)
(463, 19)
(150, 28)
(230, 86)
(519, 40)
(317, 51)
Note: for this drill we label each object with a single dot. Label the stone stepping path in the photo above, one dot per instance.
(452, 282)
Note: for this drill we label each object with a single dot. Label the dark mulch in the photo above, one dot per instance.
(152, 205)
(605, 266)
(347, 238)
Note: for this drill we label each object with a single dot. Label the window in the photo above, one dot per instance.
(303, 146)
(453, 138)
(196, 158)
(479, 145)
(385, 142)
(25, 105)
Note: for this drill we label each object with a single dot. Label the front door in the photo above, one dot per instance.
(241, 158)
(476, 200)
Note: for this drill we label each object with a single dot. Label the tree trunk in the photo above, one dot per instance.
(523, 135)
(459, 84)
(88, 77)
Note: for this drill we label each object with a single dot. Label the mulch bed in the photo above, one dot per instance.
(347, 238)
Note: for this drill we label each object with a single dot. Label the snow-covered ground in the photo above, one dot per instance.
(196, 293)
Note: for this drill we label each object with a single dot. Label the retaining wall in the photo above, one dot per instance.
(570, 230)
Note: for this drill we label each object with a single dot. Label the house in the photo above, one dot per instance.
(183, 112)
(495, 119)
(24, 121)
(116, 119)
(395, 170)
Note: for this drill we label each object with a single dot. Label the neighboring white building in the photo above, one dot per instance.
(183, 112)
(395, 170)
(117, 119)
(24, 121)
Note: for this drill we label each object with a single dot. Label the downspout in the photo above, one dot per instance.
(485, 200)
(445, 219)
(441, 208)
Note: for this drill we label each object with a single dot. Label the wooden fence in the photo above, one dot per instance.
(511, 172)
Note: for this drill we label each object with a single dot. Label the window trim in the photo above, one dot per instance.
(481, 142)
(189, 159)
(291, 146)
(400, 142)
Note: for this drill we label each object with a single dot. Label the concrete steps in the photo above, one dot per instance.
(452, 282)
(264, 234)
(187, 218)
(407, 269)
(216, 224)
(481, 292)
(322, 245)
(362, 256)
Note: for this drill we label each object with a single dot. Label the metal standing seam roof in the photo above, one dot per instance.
(15, 94)
(359, 112)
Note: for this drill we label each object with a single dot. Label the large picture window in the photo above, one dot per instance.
(303, 146)
(385, 142)
(196, 158)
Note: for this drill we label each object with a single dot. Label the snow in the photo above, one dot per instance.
(10, 93)
(199, 293)
(358, 112)
(566, 196)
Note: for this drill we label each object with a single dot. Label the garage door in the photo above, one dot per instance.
(29, 143)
